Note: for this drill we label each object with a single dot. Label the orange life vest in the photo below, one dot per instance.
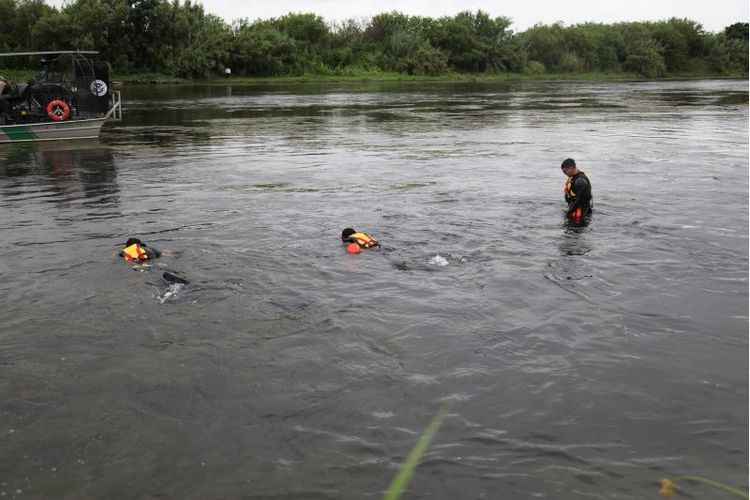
(135, 252)
(364, 240)
(577, 215)
(570, 195)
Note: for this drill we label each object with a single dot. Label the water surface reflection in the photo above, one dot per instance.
(577, 362)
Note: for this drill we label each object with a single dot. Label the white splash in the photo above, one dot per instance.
(439, 260)
(171, 292)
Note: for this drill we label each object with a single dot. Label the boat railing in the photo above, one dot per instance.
(115, 112)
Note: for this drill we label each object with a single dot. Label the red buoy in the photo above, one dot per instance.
(353, 248)
(58, 110)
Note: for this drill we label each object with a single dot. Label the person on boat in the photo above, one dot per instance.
(577, 191)
(357, 240)
(137, 252)
(6, 92)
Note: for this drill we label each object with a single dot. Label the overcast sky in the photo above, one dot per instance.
(714, 15)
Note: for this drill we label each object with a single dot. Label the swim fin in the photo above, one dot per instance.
(173, 278)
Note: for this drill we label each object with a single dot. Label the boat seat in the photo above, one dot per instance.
(8, 90)
(21, 89)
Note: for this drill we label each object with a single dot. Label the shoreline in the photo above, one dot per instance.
(453, 78)
(384, 77)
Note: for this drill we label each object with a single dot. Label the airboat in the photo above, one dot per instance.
(70, 98)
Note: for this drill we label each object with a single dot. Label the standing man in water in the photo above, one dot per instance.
(577, 191)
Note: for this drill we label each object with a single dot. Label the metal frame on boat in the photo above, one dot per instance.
(70, 98)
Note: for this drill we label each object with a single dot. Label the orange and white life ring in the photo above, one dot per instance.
(58, 110)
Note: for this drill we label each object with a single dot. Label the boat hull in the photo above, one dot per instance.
(52, 131)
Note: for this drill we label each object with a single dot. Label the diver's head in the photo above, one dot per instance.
(569, 167)
(133, 241)
(346, 233)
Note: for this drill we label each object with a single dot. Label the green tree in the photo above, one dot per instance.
(178, 37)
(728, 51)
(27, 13)
(474, 42)
(646, 59)
(7, 24)
(610, 48)
(306, 28)
(643, 54)
(262, 50)
(55, 31)
(208, 51)
(545, 44)
(346, 45)
(737, 31)
(580, 44)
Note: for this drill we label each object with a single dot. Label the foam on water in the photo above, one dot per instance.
(439, 260)
(171, 292)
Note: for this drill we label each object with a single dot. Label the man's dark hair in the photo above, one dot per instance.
(346, 233)
(568, 162)
(133, 241)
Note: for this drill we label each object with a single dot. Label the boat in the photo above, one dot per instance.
(70, 98)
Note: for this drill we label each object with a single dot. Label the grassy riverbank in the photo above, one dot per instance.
(378, 76)
(401, 77)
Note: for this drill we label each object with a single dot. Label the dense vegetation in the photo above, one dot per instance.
(181, 39)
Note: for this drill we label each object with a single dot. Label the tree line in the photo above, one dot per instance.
(181, 39)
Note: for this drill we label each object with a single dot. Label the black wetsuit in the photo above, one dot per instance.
(153, 253)
(580, 196)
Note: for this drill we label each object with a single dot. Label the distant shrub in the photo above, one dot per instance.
(426, 60)
(728, 55)
(570, 63)
(534, 68)
(646, 59)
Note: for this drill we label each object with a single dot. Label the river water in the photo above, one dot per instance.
(572, 362)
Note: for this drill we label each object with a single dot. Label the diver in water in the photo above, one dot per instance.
(357, 240)
(577, 191)
(135, 251)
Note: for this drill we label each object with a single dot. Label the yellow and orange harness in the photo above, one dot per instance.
(570, 195)
(135, 253)
(364, 240)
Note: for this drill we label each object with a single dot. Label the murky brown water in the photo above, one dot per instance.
(577, 363)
